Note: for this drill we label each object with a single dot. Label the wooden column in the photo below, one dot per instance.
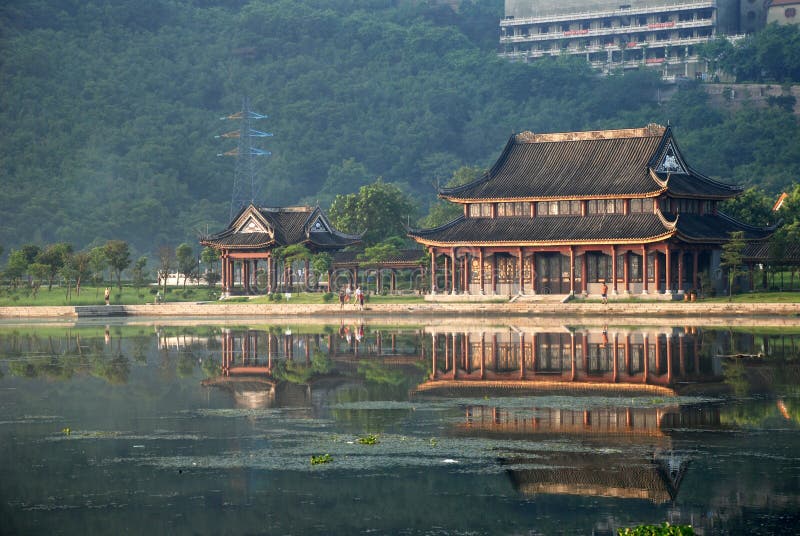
(446, 274)
(668, 270)
(480, 269)
(453, 270)
(494, 274)
(614, 269)
(680, 271)
(571, 270)
(433, 270)
(644, 269)
(521, 267)
(533, 271)
(626, 271)
(584, 274)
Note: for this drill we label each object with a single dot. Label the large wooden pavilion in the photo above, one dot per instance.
(564, 213)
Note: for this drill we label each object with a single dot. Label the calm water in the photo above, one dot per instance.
(486, 430)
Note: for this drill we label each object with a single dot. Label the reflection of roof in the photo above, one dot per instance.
(447, 387)
(259, 227)
(602, 475)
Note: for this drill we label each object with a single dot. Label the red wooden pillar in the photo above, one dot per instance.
(571, 270)
(453, 270)
(433, 270)
(480, 269)
(614, 269)
(644, 269)
(521, 267)
(584, 274)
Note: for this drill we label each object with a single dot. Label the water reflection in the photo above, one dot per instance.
(613, 423)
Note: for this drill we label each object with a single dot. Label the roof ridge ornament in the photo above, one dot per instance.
(651, 130)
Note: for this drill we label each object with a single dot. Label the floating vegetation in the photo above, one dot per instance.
(325, 458)
(66, 430)
(658, 530)
(370, 439)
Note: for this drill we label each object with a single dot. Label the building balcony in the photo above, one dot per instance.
(592, 15)
(601, 32)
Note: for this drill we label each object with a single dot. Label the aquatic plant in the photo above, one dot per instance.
(325, 458)
(370, 439)
(658, 530)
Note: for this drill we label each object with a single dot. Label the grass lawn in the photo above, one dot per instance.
(131, 296)
(94, 296)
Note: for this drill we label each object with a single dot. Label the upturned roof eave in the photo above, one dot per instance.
(546, 243)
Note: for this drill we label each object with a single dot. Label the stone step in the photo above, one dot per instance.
(85, 311)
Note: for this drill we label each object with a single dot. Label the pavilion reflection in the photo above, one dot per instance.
(615, 358)
(264, 368)
(608, 394)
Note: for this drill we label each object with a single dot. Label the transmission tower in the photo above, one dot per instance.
(246, 183)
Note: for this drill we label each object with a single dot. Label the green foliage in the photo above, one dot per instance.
(118, 254)
(732, 257)
(320, 459)
(378, 209)
(187, 263)
(355, 89)
(753, 207)
(770, 55)
(369, 439)
(658, 530)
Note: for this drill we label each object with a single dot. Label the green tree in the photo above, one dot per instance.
(98, 262)
(732, 258)
(16, 267)
(55, 257)
(753, 206)
(380, 210)
(322, 264)
(441, 211)
(80, 266)
(140, 272)
(187, 265)
(38, 272)
(119, 257)
(383, 251)
(166, 261)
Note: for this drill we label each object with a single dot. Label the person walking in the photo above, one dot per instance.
(360, 298)
(341, 299)
(604, 292)
(107, 295)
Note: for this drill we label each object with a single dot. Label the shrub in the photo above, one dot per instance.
(658, 530)
(327, 297)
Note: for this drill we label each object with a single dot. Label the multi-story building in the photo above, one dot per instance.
(611, 34)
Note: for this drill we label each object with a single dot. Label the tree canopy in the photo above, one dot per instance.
(108, 109)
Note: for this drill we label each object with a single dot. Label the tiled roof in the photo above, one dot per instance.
(592, 164)
(714, 228)
(289, 225)
(616, 228)
(696, 185)
(404, 256)
(760, 251)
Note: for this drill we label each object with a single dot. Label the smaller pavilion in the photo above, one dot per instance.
(254, 234)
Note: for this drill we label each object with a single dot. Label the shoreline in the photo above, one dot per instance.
(774, 314)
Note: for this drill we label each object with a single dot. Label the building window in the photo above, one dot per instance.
(651, 267)
(635, 268)
(605, 206)
(513, 209)
(598, 266)
(558, 208)
(507, 270)
(790, 13)
(641, 205)
(480, 210)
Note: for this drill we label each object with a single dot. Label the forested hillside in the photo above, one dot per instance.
(109, 108)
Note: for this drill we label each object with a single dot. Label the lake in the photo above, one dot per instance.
(354, 427)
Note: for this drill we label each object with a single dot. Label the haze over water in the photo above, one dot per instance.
(437, 429)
